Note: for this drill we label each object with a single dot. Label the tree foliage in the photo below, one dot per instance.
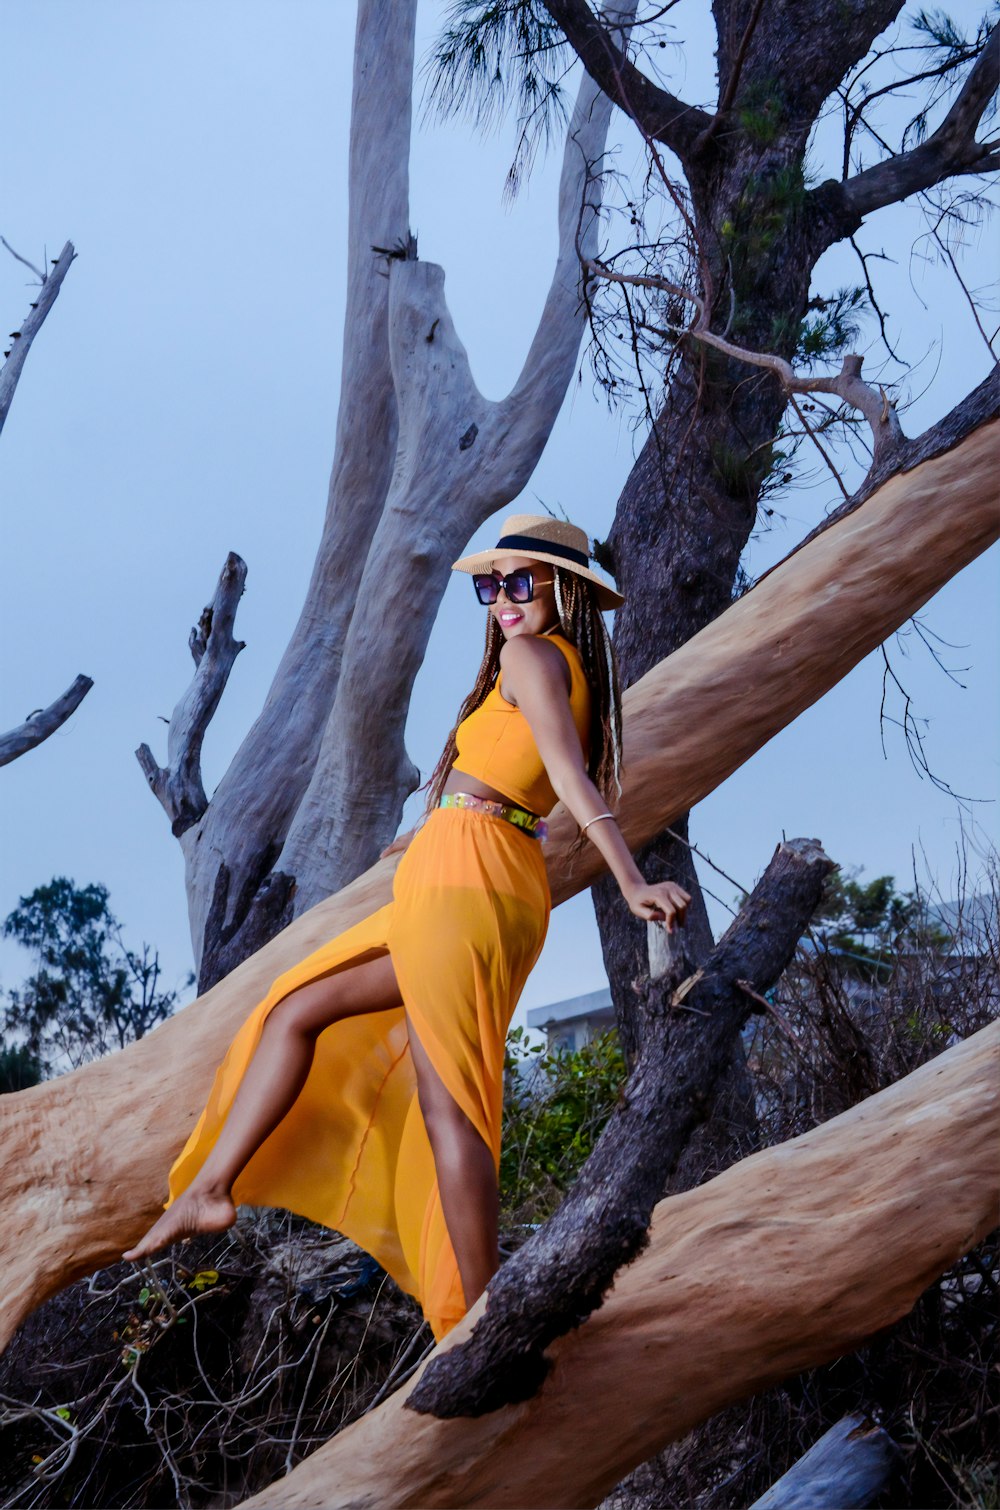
(556, 1102)
(870, 925)
(89, 993)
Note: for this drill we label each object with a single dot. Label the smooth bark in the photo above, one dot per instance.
(230, 851)
(847, 1469)
(422, 458)
(214, 648)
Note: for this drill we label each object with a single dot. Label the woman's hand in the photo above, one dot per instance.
(662, 902)
(398, 844)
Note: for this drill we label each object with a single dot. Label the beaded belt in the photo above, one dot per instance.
(528, 823)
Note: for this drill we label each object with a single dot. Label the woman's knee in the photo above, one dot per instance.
(300, 1012)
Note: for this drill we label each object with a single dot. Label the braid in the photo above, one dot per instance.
(582, 623)
(484, 681)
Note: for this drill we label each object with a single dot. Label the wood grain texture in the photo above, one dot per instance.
(786, 1260)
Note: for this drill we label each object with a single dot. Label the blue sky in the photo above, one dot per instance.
(180, 403)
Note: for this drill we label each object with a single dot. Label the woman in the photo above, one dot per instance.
(365, 1091)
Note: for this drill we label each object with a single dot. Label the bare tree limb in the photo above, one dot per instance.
(851, 1464)
(976, 409)
(656, 111)
(252, 807)
(561, 1274)
(21, 339)
(847, 384)
(178, 785)
(951, 149)
(43, 722)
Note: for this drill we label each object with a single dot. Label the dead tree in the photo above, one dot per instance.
(421, 459)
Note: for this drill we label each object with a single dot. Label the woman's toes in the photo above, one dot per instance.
(190, 1214)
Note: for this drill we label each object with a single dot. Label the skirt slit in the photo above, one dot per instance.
(468, 917)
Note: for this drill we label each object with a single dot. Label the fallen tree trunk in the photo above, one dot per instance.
(783, 1262)
(85, 1156)
(554, 1282)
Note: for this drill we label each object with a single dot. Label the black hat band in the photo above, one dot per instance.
(531, 543)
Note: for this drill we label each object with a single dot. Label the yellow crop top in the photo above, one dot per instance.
(495, 743)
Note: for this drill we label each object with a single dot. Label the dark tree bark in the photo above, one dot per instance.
(560, 1276)
(690, 503)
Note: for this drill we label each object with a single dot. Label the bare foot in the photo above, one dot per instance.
(194, 1211)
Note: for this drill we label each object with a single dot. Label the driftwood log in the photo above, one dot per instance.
(847, 1469)
(85, 1156)
(783, 1262)
(562, 1273)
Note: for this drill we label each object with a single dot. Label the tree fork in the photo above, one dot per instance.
(178, 786)
(562, 1273)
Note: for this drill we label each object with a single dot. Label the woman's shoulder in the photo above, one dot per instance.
(535, 655)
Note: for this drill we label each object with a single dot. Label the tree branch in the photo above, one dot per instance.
(178, 785)
(21, 340)
(787, 1260)
(847, 384)
(562, 1273)
(976, 409)
(951, 149)
(43, 722)
(656, 111)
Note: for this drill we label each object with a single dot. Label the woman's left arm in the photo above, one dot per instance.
(534, 677)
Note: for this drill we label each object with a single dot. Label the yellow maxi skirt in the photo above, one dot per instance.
(469, 914)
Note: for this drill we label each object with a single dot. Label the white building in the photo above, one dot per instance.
(572, 1023)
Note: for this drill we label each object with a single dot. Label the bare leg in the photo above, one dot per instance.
(268, 1090)
(466, 1176)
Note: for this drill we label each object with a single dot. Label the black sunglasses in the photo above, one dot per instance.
(518, 585)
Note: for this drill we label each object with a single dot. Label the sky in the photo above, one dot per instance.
(180, 403)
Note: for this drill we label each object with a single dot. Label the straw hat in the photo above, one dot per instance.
(543, 539)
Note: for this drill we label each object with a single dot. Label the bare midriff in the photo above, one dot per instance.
(459, 782)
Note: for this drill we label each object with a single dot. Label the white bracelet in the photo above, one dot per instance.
(594, 820)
